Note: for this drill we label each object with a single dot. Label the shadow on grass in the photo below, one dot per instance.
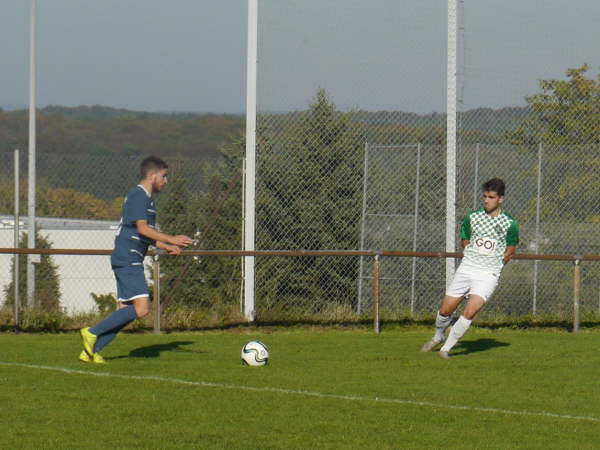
(264, 324)
(480, 345)
(154, 351)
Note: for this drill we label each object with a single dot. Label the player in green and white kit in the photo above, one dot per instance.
(489, 236)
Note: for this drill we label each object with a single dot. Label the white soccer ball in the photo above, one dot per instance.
(255, 353)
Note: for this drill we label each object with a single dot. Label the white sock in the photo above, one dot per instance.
(441, 323)
(456, 332)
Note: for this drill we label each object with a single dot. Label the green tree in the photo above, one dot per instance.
(60, 202)
(565, 119)
(566, 112)
(178, 213)
(214, 216)
(47, 289)
(221, 225)
(310, 199)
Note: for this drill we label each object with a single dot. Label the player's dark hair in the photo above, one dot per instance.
(150, 164)
(494, 185)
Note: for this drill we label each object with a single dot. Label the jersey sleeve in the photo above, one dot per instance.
(512, 234)
(136, 207)
(465, 228)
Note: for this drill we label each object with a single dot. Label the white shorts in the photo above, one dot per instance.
(467, 281)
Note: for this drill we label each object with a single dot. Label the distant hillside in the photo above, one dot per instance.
(489, 122)
(481, 125)
(104, 131)
(100, 130)
(97, 112)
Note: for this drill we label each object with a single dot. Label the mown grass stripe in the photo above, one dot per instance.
(306, 393)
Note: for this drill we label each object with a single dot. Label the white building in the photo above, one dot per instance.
(79, 275)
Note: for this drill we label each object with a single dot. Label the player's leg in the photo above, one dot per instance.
(454, 295)
(142, 308)
(442, 321)
(131, 286)
(463, 323)
(106, 338)
(483, 286)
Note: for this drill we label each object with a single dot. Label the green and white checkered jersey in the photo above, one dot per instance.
(489, 236)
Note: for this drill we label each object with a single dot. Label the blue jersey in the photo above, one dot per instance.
(130, 246)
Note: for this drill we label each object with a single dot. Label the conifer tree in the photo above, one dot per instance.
(47, 287)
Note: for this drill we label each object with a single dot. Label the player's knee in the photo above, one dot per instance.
(476, 302)
(446, 311)
(142, 311)
(142, 308)
(469, 314)
(449, 305)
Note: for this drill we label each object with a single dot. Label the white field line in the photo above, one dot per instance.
(353, 398)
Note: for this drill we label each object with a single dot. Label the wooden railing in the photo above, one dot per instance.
(376, 254)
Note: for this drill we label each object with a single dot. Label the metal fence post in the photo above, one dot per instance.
(537, 229)
(476, 178)
(376, 293)
(415, 231)
(156, 293)
(576, 293)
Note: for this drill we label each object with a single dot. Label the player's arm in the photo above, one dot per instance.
(512, 239)
(146, 230)
(509, 253)
(171, 249)
(465, 231)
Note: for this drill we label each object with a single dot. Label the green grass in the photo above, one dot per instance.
(520, 371)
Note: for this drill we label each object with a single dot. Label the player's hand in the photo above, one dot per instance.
(181, 240)
(172, 249)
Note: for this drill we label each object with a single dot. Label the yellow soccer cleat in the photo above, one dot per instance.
(97, 359)
(84, 357)
(89, 340)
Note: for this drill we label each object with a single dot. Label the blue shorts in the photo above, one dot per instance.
(131, 283)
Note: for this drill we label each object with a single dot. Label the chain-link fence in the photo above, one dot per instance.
(392, 198)
(351, 154)
(553, 218)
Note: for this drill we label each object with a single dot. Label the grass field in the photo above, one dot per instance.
(323, 388)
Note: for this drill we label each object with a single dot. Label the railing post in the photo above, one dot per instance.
(156, 292)
(576, 292)
(376, 293)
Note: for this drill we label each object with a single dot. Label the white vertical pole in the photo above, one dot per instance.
(243, 234)
(362, 228)
(16, 274)
(451, 141)
(250, 187)
(31, 175)
(537, 228)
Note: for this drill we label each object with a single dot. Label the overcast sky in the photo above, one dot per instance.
(190, 55)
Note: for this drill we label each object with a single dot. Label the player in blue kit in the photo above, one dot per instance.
(137, 231)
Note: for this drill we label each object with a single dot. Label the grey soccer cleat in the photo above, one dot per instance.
(430, 345)
(444, 354)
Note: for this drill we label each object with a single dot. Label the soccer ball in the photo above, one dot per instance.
(255, 353)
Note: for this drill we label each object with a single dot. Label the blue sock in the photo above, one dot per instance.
(119, 318)
(106, 338)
